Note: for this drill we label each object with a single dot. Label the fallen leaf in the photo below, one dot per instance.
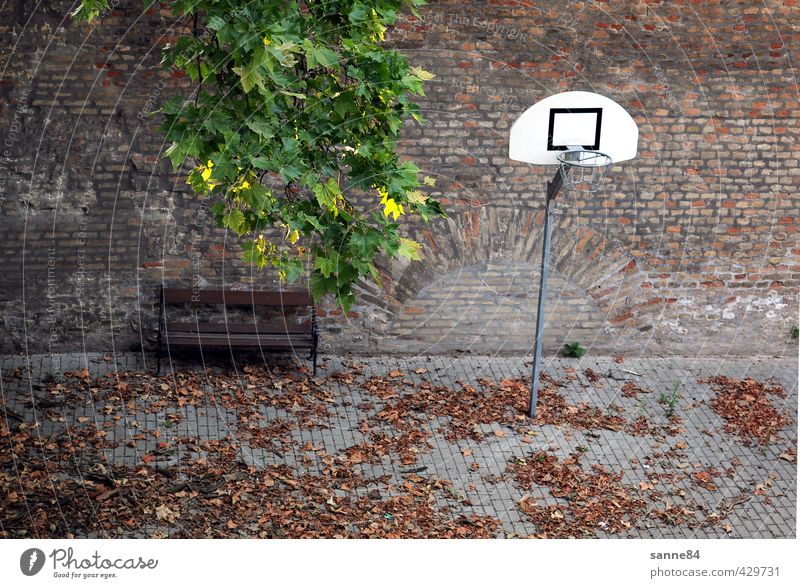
(106, 495)
(164, 513)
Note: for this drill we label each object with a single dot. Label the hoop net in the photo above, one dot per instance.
(583, 169)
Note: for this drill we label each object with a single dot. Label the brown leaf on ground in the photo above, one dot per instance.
(591, 375)
(164, 513)
(632, 390)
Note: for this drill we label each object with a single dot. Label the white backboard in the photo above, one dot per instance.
(579, 119)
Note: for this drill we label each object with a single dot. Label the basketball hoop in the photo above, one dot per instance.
(583, 169)
(582, 133)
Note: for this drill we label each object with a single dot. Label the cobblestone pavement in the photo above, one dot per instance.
(752, 490)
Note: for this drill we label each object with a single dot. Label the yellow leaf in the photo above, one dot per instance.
(207, 170)
(292, 236)
(391, 207)
(416, 197)
(422, 74)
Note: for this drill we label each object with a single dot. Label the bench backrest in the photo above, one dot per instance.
(236, 297)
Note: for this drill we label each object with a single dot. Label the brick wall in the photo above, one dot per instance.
(692, 248)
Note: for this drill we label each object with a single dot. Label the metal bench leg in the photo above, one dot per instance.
(161, 326)
(314, 338)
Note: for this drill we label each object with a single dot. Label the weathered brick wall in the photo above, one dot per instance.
(692, 248)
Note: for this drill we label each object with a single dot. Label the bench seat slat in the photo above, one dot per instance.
(238, 340)
(236, 297)
(246, 328)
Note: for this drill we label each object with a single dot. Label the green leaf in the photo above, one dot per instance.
(261, 127)
(235, 221)
(249, 76)
(320, 285)
(261, 162)
(251, 254)
(291, 171)
(325, 266)
(177, 153)
(317, 55)
(293, 94)
(293, 269)
(215, 22)
(409, 249)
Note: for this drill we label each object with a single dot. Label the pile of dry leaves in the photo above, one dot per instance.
(747, 409)
(468, 408)
(589, 502)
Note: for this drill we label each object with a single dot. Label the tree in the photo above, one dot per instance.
(295, 115)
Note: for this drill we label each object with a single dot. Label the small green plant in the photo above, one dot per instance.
(642, 407)
(795, 332)
(670, 399)
(573, 350)
(582, 449)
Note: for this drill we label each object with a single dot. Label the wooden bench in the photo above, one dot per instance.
(273, 336)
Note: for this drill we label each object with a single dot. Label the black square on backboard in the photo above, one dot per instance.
(555, 111)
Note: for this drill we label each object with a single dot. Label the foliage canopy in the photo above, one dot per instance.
(298, 106)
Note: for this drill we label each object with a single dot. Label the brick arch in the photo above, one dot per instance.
(579, 253)
(489, 257)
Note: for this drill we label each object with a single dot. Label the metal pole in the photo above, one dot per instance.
(553, 187)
